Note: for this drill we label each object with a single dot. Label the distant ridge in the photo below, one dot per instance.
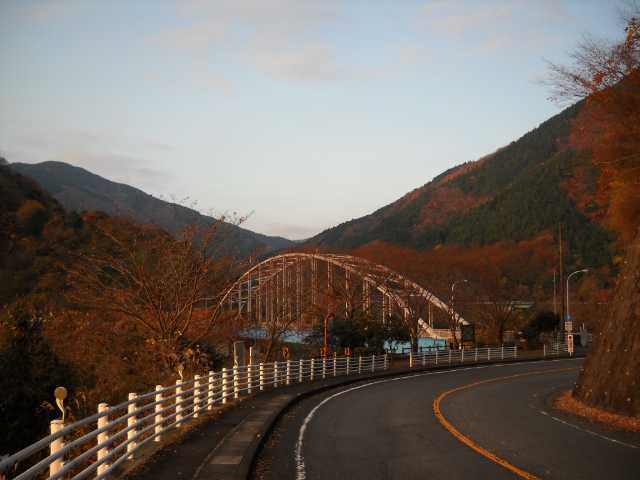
(78, 189)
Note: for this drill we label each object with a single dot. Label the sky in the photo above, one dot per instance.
(302, 114)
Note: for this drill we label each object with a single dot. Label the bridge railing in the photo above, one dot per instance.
(97, 445)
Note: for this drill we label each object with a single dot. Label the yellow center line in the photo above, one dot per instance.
(470, 442)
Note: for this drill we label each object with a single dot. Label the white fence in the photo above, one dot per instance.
(95, 446)
(473, 355)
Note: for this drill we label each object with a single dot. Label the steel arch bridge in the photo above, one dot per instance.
(290, 286)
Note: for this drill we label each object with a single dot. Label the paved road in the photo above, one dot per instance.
(387, 429)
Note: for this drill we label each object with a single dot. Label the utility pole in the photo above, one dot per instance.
(555, 301)
(561, 279)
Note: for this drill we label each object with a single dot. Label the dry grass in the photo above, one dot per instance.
(567, 403)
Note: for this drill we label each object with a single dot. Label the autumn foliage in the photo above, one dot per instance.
(608, 76)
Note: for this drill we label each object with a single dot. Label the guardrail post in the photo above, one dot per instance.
(359, 364)
(249, 378)
(515, 351)
(131, 423)
(386, 362)
(449, 356)
(55, 446)
(196, 396)
(462, 356)
(301, 371)
(436, 355)
(544, 350)
(261, 375)
(410, 359)
(275, 374)
(103, 437)
(210, 390)
(373, 362)
(158, 418)
(236, 382)
(288, 372)
(502, 351)
(311, 368)
(324, 367)
(225, 384)
(335, 365)
(424, 358)
(178, 402)
(348, 364)
(488, 353)
(476, 358)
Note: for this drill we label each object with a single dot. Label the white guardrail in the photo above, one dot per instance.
(473, 355)
(96, 445)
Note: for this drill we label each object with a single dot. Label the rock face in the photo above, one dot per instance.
(610, 376)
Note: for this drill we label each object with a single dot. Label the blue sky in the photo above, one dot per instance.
(307, 113)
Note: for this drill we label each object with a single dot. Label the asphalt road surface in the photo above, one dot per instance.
(387, 429)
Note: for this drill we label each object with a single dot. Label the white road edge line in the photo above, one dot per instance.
(301, 471)
(584, 430)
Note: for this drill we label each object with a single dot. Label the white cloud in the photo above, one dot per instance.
(47, 10)
(282, 38)
(497, 24)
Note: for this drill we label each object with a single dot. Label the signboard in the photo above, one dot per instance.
(570, 343)
(468, 333)
(568, 325)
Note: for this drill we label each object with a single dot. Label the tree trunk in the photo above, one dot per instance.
(611, 375)
(414, 342)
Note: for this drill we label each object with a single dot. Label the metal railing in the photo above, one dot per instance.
(473, 355)
(97, 445)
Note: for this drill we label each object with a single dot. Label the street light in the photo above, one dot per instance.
(453, 286)
(568, 277)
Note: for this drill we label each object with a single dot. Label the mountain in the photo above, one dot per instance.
(80, 190)
(517, 193)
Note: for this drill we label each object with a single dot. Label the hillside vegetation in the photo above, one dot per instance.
(517, 193)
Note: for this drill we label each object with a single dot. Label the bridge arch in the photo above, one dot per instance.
(288, 286)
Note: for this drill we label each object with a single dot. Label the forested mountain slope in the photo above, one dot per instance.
(517, 193)
(80, 190)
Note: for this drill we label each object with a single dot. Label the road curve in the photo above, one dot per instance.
(387, 429)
